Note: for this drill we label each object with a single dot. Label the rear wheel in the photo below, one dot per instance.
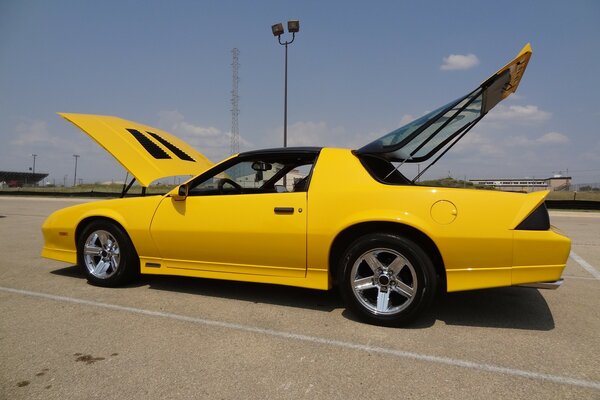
(107, 255)
(386, 279)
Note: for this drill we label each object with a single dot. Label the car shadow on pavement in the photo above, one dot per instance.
(244, 291)
(510, 307)
(72, 272)
(288, 296)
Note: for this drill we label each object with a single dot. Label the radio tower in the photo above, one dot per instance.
(235, 110)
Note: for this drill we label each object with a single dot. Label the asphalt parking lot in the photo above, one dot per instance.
(170, 338)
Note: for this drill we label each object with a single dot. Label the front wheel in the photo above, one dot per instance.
(386, 279)
(106, 254)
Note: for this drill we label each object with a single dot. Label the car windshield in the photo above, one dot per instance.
(419, 139)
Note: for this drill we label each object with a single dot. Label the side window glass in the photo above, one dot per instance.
(257, 176)
(297, 179)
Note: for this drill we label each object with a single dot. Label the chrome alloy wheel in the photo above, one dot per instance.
(101, 254)
(383, 281)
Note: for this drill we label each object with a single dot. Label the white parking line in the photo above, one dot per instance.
(588, 267)
(563, 380)
(583, 278)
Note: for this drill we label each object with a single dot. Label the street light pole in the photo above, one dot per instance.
(34, 156)
(75, 175)
(293, 28)
(285, 93)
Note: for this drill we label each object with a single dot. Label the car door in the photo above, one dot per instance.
(254, 232)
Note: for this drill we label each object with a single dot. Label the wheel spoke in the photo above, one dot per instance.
(363, 283)
(397, 265)
(101, 267)
(114, 262)
(403, 289)
(383, 300)
(103, 237)
(91, 250)
(372, 262)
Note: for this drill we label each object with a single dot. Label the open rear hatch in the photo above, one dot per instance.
(147, 153)
(442, 128)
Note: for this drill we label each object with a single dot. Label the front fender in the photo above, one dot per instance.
(134, 214)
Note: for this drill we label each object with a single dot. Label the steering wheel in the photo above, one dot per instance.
(235, 185)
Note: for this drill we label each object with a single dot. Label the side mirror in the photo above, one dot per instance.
(180, 193)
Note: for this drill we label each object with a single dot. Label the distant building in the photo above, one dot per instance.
(20, 179)
(556, 183)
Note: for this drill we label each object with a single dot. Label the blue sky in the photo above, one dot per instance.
(357, 70)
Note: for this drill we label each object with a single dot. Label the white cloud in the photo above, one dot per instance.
(308, 133)
(210, 141)
(493, 146)
(483, 145)
(176, 122)
(547, 139)
(456, 62)
(553, 138)
(35, 133)
(519, 114)
(487, 155)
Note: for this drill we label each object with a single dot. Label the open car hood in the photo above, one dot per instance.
(146, 152)
(444, 127)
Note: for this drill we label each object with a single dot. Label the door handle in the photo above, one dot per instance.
(284, 210)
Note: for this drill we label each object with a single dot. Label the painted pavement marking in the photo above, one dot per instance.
(562, 380)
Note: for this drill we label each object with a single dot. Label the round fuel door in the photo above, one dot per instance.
(443, 212)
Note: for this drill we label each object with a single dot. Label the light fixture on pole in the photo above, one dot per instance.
(293, 28)
(75, 175)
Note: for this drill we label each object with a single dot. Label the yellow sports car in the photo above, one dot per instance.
(316, 217)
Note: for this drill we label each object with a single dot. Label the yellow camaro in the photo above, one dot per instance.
(316, 217)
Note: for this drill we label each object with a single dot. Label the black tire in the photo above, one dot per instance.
(386, 279)
(109, 260)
